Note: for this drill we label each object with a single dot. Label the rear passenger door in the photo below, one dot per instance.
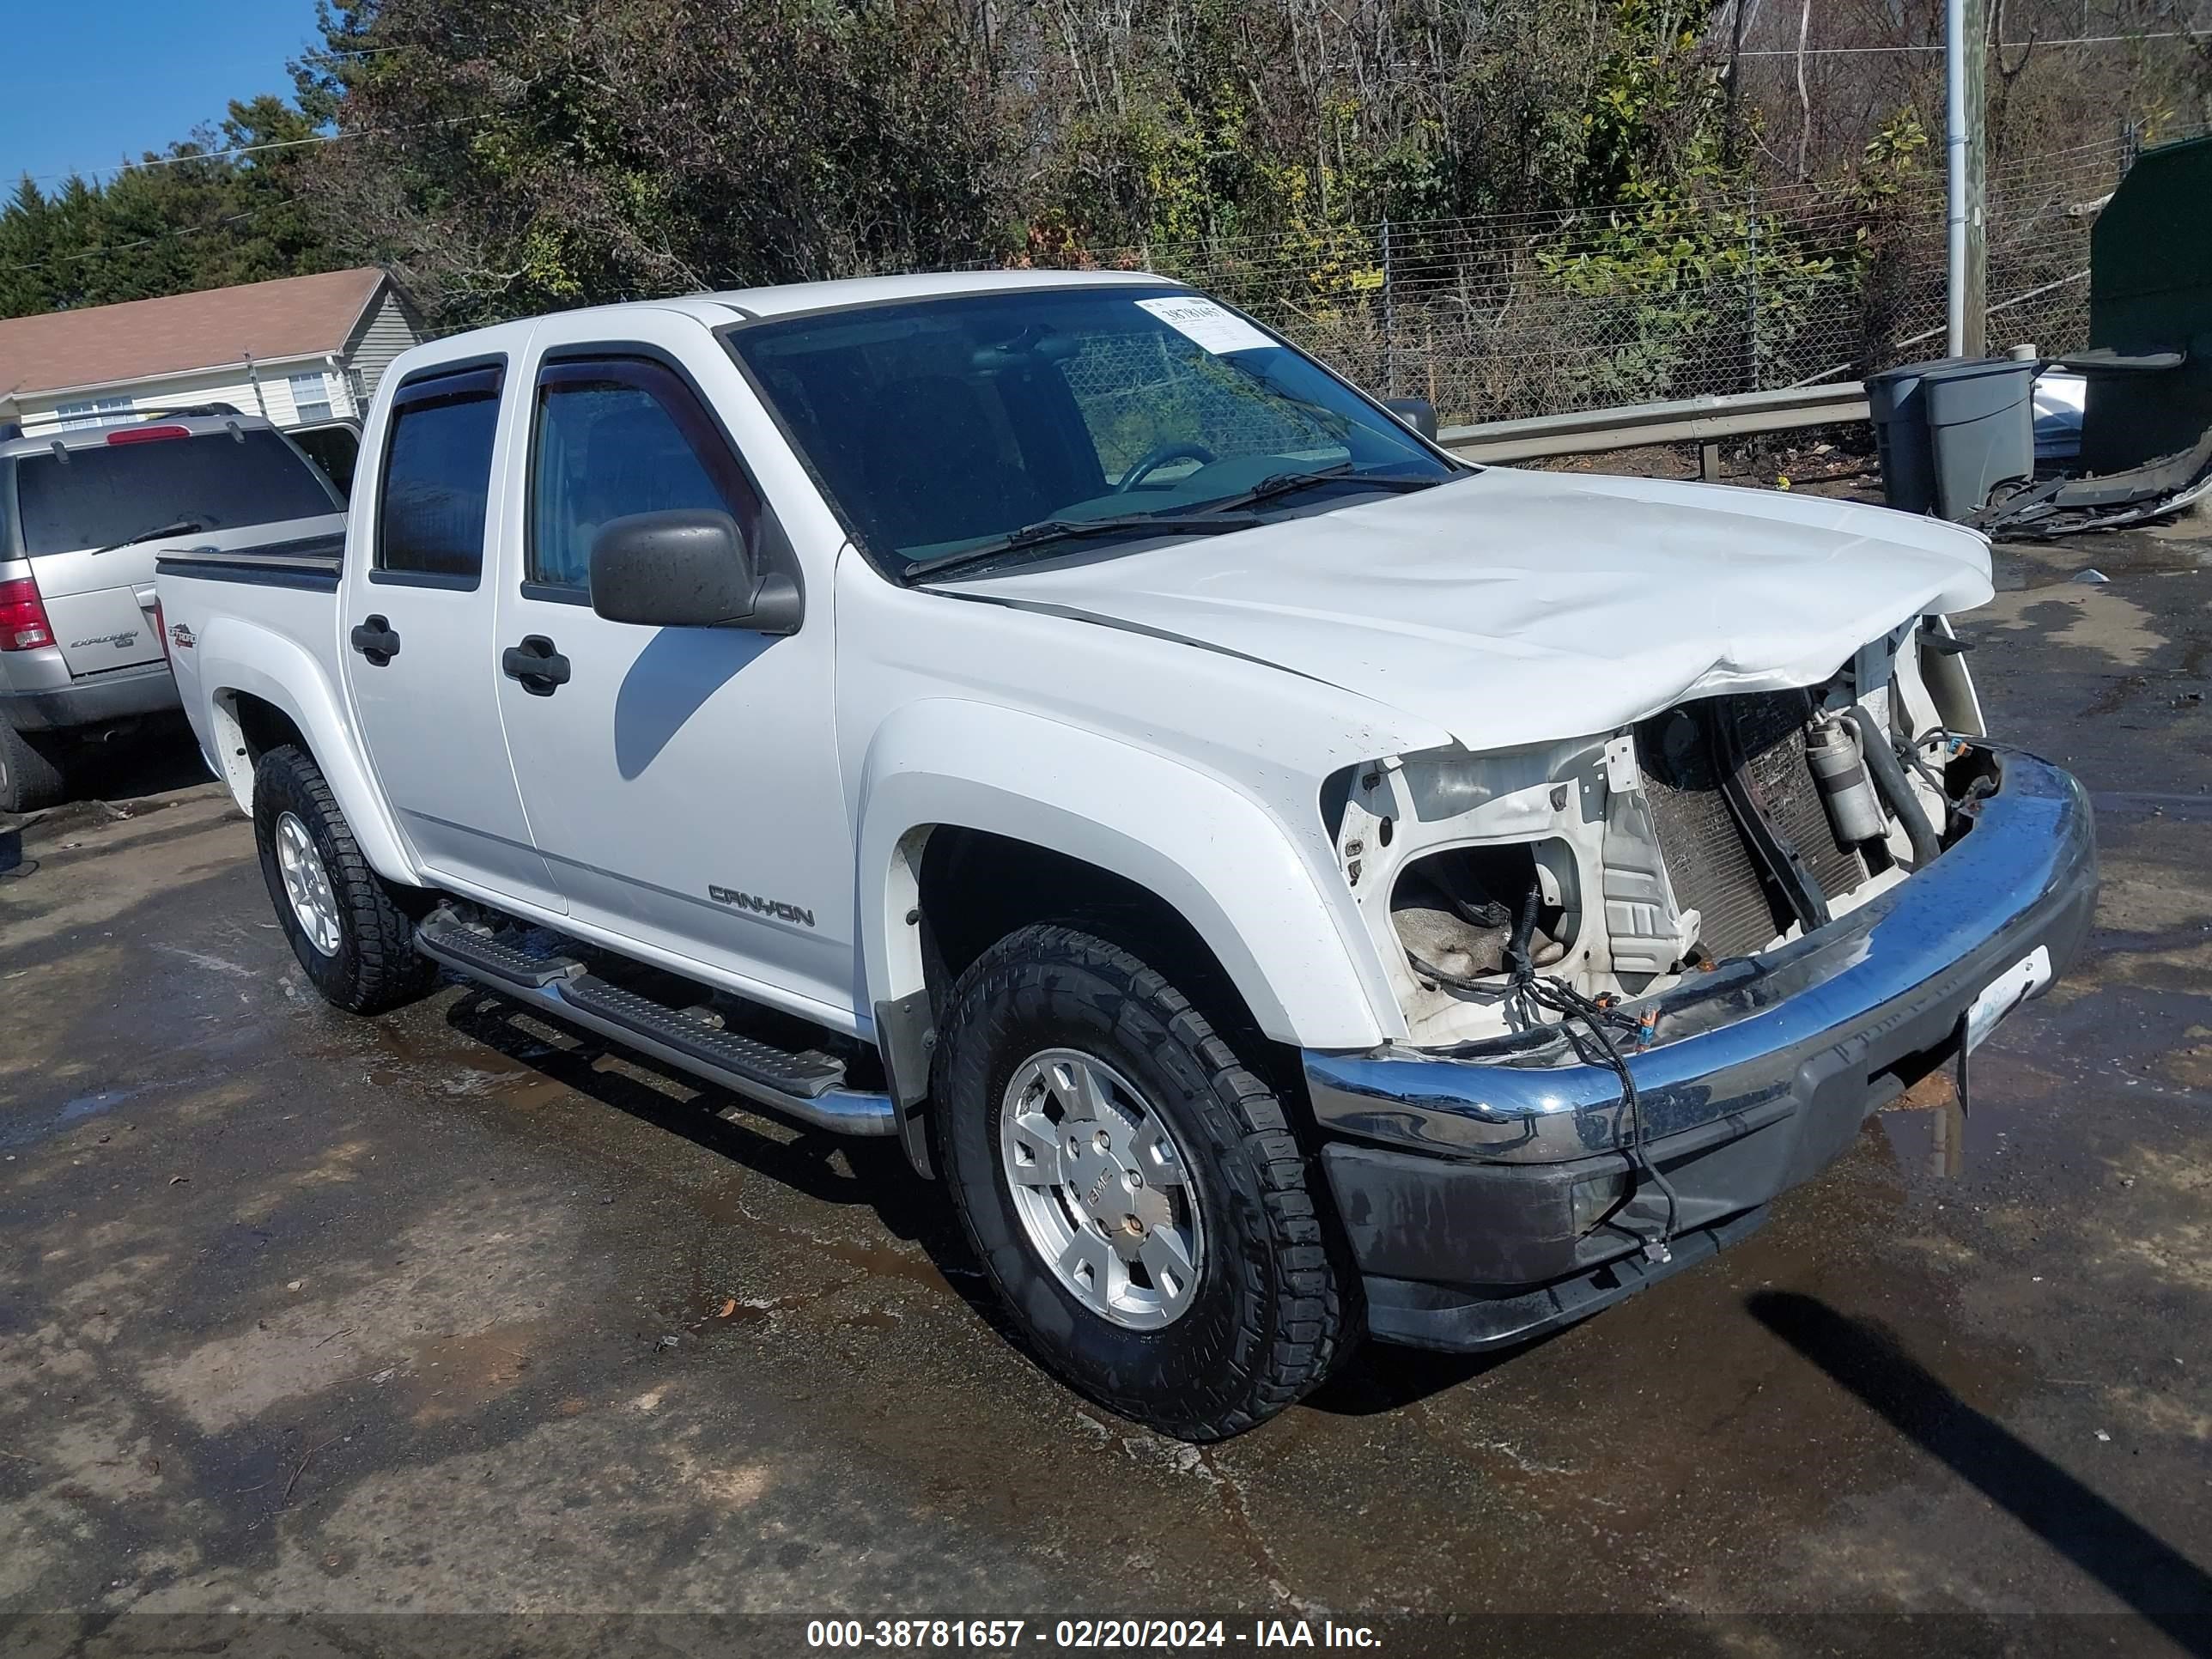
(415, 625)
(682, 782)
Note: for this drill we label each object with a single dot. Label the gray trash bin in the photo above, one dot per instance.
(1981, 430)
(1951, 430)
(1899, 409)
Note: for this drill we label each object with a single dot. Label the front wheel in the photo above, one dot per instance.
(1134, 1192)
(347, 924)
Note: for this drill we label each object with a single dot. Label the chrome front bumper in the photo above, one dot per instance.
(1458, 1168)
(1869, 990)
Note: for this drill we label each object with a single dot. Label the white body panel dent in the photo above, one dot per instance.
(1518, 608)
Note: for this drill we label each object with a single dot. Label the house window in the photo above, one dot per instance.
(99, 411)
(311, 397)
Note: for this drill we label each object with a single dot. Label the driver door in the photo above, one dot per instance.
(681, 782)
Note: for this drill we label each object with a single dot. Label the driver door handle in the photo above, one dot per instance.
(535, 665)
(375, 640)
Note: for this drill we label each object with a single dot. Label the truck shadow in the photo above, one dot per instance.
(870, 1172)
(2133, 1564)
(1375, 1379)
(1383, 1378)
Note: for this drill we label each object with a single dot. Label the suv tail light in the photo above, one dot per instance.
(23, 624)
(147, 434)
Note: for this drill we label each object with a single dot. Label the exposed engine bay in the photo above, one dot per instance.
(1516, 890)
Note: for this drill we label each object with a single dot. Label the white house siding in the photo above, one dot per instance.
(390, 328)
(40, 412)
(225, 385)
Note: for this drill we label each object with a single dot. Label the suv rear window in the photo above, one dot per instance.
(112, 493)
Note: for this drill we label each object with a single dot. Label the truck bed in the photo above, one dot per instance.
(311, 561)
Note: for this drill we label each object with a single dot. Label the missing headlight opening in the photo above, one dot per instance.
(1456, 912)
(1719, 828)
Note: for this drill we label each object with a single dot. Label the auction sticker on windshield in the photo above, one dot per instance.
(1218, 331)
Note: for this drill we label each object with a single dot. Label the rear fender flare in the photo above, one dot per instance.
(240, 657)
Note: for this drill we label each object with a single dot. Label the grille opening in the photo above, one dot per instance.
(1686, 756)
(1455, 911)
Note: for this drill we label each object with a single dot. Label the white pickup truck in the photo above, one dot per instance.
(1287, 883)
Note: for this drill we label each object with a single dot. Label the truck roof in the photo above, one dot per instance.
(795, 298)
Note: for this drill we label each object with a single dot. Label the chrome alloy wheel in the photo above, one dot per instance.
(307, 884)
(1103, 1189)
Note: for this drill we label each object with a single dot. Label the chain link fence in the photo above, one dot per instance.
(1534, 314)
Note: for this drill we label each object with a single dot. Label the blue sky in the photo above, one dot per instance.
(84, 85)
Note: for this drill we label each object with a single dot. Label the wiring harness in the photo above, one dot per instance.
(1593, 1025)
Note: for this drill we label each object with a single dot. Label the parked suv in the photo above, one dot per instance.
(82, 514)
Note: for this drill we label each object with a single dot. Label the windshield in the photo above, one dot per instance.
(108, 493)
(938, 426)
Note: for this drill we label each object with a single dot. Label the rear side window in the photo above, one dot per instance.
(615, 436)
(112, 493)
(437, 477)
(335, 449)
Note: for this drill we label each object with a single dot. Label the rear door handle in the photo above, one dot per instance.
(375, 640)
(535, 665)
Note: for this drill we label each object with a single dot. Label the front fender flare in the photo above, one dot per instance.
(1221, 859)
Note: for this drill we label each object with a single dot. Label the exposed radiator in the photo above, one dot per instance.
(1709, 863)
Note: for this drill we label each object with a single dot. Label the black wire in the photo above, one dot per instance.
(1525, 986)
(1562, 998)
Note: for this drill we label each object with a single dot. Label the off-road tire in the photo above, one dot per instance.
(1268, 1317)
(30, 779)
(376, 965)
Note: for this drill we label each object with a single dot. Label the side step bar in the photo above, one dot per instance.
(807, 1087)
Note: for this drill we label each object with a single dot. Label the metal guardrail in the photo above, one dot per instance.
(1701, 421)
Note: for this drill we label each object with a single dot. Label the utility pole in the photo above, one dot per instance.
(1965, 178)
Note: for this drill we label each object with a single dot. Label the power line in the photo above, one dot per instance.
(257, 149)
(82, 254)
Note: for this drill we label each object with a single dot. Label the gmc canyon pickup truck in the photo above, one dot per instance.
(1285, 882)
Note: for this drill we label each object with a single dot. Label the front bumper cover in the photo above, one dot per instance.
(1454, 1173)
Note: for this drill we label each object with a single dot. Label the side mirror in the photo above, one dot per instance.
(1418, 413)
(688, 569)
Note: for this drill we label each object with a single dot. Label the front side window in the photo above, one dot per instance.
(437, 477)
(946, 427)
(615, 436)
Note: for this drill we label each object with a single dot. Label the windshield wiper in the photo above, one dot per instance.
(1046, 532)
(182, 527)
(1284, 483)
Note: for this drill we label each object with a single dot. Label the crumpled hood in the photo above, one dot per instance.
(1515, 607)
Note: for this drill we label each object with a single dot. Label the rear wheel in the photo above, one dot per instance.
(30, 777)
(350, 928)
(1133, 1191)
